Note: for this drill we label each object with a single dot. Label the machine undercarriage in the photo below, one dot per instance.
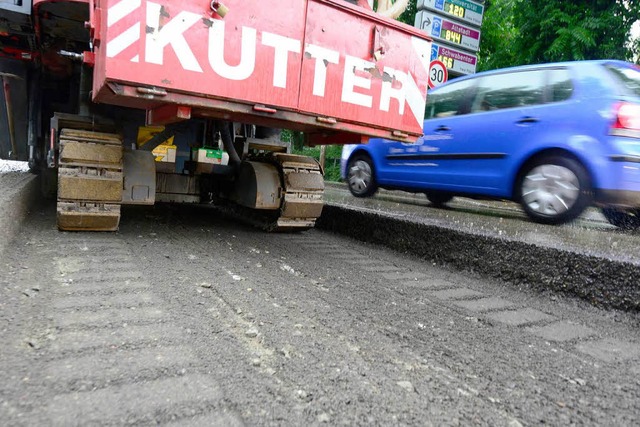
(118, 102)
(264, 184)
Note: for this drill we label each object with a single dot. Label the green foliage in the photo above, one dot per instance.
(295, 138)
(516, 32)
(332, 159)
(635, 49)
(409, 14)
(498, 34)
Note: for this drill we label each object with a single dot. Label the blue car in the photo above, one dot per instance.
(555, 138)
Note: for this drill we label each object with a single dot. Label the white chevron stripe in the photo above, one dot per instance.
(123, 41)
(423, 49)
(122, 9)
(416, 101)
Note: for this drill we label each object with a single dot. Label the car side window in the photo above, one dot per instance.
(559, 84)
(628, 76)
(509, 90)
(448, 100)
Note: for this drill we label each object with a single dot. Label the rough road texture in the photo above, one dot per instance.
(18, 191)
(184, 319)
(605, 282)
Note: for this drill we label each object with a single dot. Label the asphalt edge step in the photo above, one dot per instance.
(18, 197)
(603, 282)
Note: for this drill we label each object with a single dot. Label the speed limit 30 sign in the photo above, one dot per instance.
(437, 73)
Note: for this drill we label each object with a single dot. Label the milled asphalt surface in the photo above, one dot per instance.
(185, 317)
(588, 258)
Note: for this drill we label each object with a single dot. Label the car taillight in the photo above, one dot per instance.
(627, 116)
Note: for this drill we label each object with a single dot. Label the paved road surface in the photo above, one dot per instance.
(184, 319)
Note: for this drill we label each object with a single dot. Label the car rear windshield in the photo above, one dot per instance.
(628, 76)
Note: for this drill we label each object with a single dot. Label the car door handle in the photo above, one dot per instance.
(442, 128)
(526, 120)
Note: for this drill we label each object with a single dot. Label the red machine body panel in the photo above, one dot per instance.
(323, 64)
(379, 76)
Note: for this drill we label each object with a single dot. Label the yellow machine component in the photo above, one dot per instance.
(165, 152)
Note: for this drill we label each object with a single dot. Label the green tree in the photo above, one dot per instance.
(497, 37)
(516, 32)
(549, 30)
(635, 50)
(409, 14)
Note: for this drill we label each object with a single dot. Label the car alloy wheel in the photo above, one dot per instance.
(555, 190)
(360, 178)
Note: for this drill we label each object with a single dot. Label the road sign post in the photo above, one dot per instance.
(438, 73)
(448, 31)
(455, 26)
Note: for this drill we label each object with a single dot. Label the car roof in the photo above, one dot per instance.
(535, 67)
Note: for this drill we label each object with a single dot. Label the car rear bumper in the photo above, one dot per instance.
(619, 182)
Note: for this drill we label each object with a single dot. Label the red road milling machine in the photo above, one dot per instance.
(118, 102)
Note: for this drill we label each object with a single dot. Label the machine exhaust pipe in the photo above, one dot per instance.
(227, 141)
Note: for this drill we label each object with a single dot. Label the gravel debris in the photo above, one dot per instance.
(13, 166)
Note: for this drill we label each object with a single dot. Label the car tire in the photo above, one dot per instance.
(624, 219)
(438, 198)
(361, 176)
(554, 189)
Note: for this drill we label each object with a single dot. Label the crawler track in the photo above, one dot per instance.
(89, 181)
(301, 192)
(303, 188)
